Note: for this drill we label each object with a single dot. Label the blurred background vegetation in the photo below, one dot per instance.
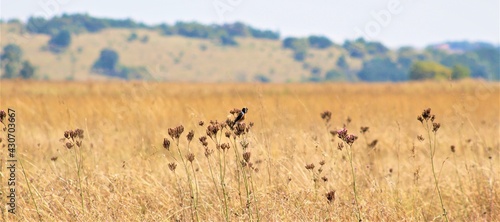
(82, 47)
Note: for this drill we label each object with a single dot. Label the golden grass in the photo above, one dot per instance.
(125, 174)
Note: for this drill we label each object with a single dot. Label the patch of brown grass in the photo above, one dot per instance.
(125, 168)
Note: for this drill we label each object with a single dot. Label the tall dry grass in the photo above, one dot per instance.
(123, 172)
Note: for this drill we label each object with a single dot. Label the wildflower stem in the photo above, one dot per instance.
(432, 149)
(358, 213)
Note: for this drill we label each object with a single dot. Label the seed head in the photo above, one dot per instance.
(67, 134)
(208, 152)
(240, 129)
(228, 134)
(54, 158)
(326, 116)
(452, 148)
(172, 166)
(203, 141)
(244, 144)
(201, 123)
(325, 179)
(166, 143)
(246, 156)
(190, 157)
(419, 118)
(435, 126)
(79, 133)
(330, 196)
(322, 162)
(364, 129)
(340, 146)
(420, 138)
(190, 135)
(69, 145)
(225, 146)
(426, 114)
(373, 144)
(310, 166)
(2, 115)
(350, 139)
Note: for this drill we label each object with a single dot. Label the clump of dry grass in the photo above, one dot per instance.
(131, 167)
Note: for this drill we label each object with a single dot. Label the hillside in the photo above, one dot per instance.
(193, 52)
(169, 57)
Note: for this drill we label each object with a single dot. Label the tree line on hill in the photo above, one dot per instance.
(458, 60)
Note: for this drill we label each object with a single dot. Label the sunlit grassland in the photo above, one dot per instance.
(125, 173)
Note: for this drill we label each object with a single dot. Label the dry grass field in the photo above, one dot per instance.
(121, 170)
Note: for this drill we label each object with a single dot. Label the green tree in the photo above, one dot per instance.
(60, 41)
(319, 42)
(460, 72)
(27, 70)
(299, 47)
(12, 53)
(381, 70)
(11, 61)
(342, 62)
(107, 62)
(429, 70)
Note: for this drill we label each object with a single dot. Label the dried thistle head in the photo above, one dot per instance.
(350, 139)
(69, 145)
(208, 152)
(166, 143)
(228, 134)
(240, 129)
(176, 132)
(190, 135)
(172, 166)
(203, 141)
(342, 134)
(426, 114)
(330, 196)
(201, 123)
(310, 166)
(326, 116)
(420, 138)
(244, 144)
(246, 156)
(325, 179)
(79, 133)
(66, 134)
(54, 158)
(435, 127)
(190, 157)
(419, 118)
(213, 129)
(2, 115)
(373, 144)
(340, 146)
(78, 143)
(364, 129)
(452, 148)
(322, 162)
(225, 146)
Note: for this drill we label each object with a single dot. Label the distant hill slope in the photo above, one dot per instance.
(194, 52)
(169, 57)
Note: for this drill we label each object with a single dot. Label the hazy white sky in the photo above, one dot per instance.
(393, 22)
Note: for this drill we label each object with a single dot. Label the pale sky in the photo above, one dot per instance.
(393, 22)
